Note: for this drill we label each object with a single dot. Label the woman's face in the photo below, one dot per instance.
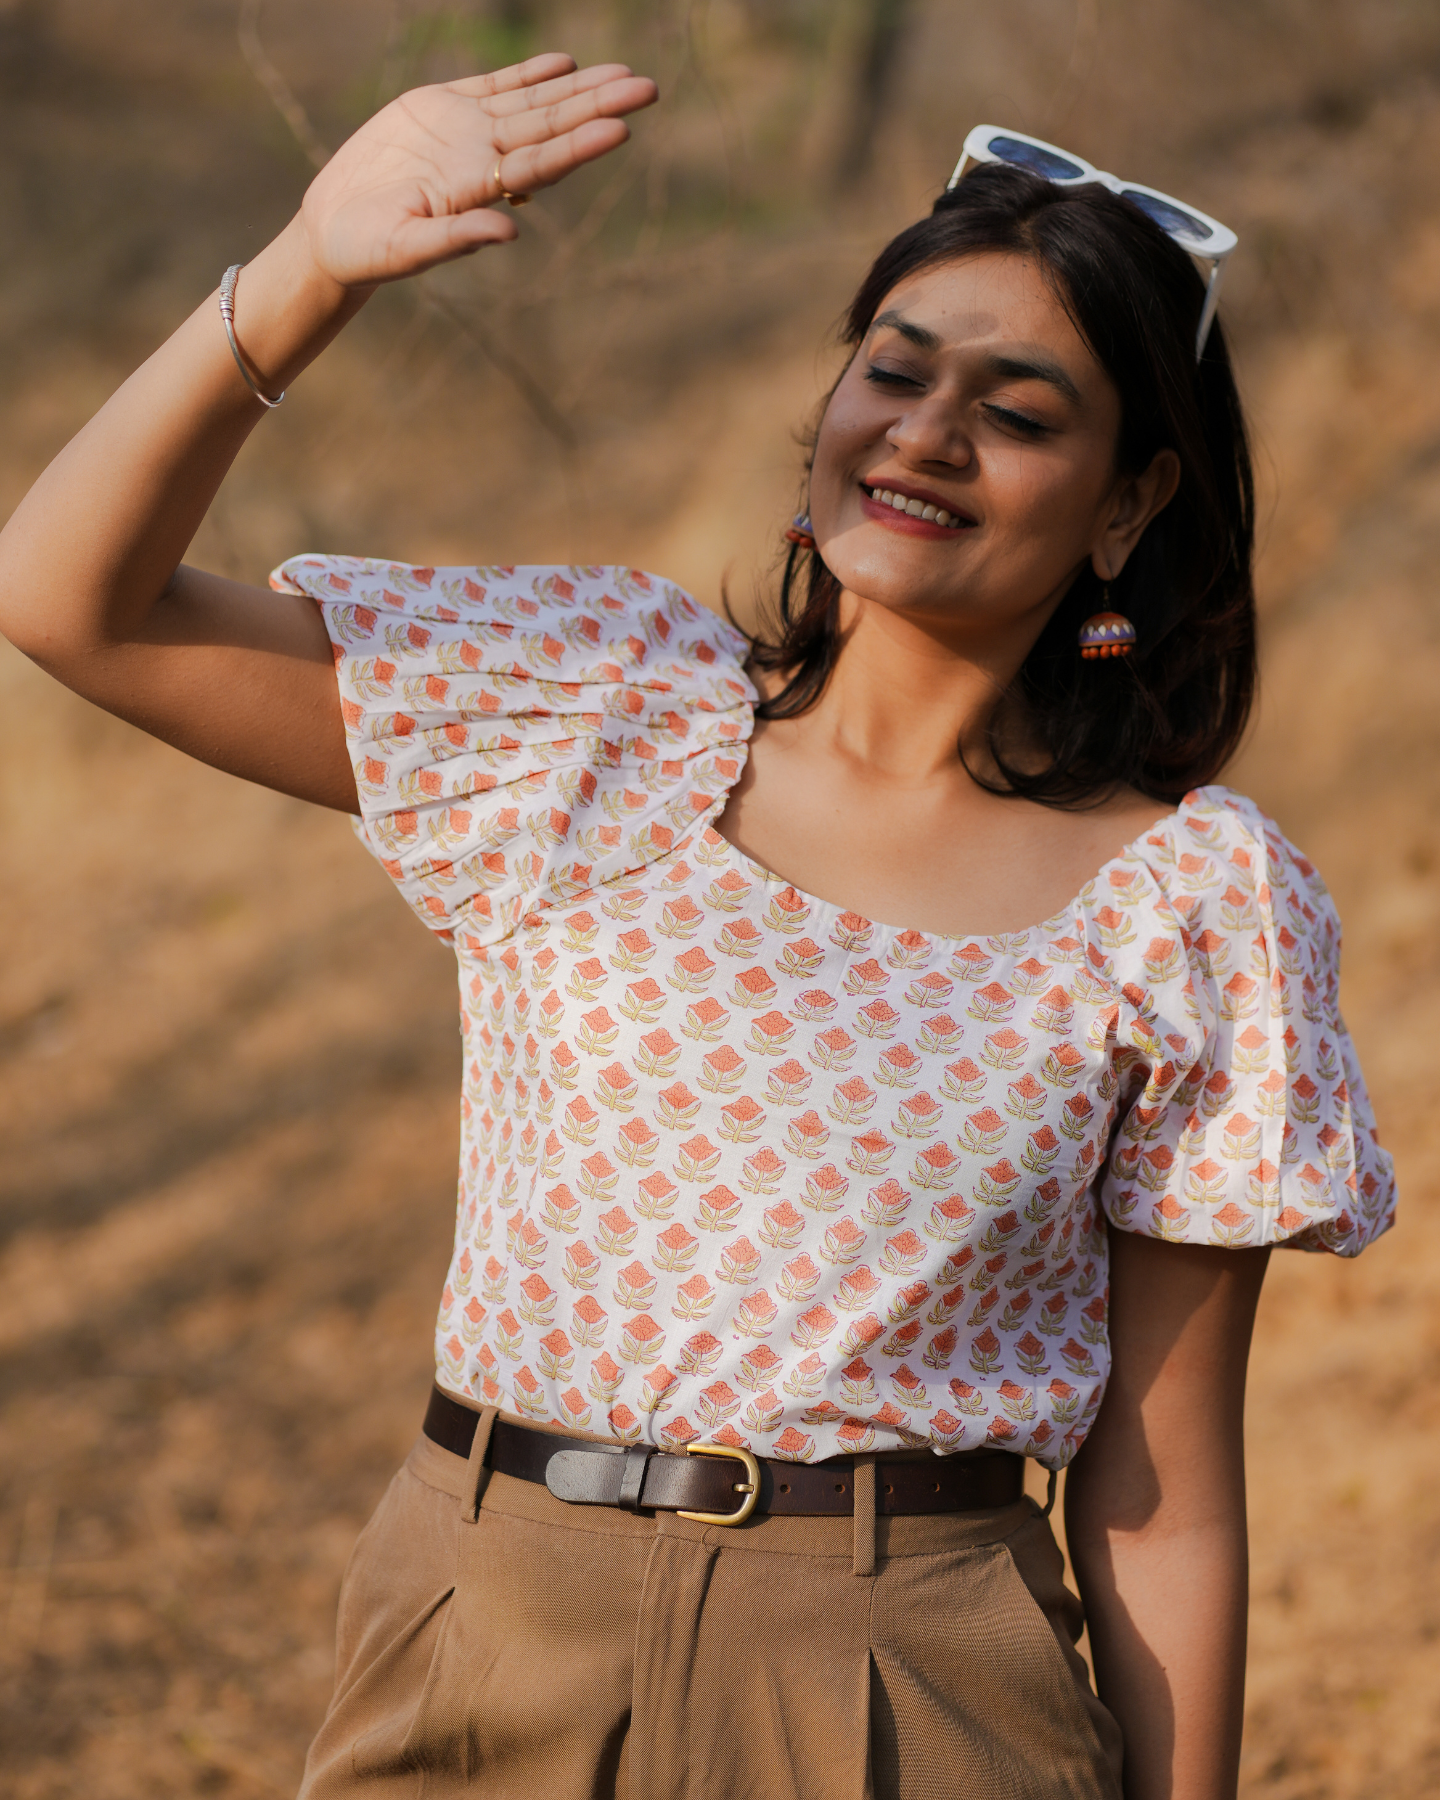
(974, 398)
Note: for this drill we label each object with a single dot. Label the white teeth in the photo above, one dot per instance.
(917, 509)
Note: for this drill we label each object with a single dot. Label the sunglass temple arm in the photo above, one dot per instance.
(1207, 314)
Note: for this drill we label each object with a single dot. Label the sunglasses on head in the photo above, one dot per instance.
(1185, 225)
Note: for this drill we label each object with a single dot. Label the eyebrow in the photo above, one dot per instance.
(1012, 368)
(1017, 368)
(919, 335)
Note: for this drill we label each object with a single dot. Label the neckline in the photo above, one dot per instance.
(832, 911)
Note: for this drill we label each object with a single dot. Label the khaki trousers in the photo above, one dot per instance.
(496, 1641)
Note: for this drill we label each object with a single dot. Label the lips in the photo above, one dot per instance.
(915, 507)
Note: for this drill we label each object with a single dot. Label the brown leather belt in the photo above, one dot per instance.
(706, 1486)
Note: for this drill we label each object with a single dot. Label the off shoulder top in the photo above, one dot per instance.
(740, 1164)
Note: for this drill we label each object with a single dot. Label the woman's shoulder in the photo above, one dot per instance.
(1206, 907)
(1253, 1126)
(522, 735)
(1218, 850)
(578, 621)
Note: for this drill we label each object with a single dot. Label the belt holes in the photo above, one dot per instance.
(937, 1487)
(784, 1487)
(839, 1487)
(889, 1487)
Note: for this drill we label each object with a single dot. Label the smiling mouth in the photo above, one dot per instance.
(918, 509)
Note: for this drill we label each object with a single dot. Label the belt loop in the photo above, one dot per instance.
(632, 1478)
(477, 1476)
(863, 1482)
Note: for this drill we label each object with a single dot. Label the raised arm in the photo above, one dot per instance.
(1155, 1514)
(91, 582)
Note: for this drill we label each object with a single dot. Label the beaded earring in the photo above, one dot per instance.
(800, 531)
(1106, 634)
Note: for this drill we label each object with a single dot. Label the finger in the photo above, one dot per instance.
(421, 242)
(542, 165)
(609, 102)
(545, 67)
(546, 93)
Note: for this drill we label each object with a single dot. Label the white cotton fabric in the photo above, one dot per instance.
(739, 1164)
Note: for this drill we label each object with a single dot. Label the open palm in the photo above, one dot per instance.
(417, 184)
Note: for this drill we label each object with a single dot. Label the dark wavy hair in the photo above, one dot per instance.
(1169, 716)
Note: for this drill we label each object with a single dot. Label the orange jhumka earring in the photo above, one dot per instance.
(800, 531)
(1106, 634)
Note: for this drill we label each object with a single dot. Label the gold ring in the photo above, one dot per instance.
(505, 194)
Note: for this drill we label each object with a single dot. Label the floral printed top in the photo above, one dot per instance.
(739, 1164)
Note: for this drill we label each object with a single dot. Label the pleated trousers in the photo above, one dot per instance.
(495, 1641)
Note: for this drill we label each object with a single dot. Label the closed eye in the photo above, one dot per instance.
(1016, 421)
(883, 377)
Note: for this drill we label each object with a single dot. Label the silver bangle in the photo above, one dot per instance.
(227, 313)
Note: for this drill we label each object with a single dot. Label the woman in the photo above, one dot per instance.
(790, 1138)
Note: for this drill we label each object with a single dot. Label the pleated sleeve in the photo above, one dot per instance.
(521, 736)
(1249, 1123)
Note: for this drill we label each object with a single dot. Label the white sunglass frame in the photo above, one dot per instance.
(977, 149)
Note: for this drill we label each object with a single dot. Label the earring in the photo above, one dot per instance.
(1106, 634)
(800, 531)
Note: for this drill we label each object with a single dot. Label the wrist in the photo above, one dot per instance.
(288, 308)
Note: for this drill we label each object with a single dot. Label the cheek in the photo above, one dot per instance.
(1064, 496)
(843, 417)
(847, 428)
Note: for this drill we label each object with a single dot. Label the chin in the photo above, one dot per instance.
(895, 583)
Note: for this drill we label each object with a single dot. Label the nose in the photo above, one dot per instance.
(931, 431)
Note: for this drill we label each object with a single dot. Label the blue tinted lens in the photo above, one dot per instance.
(1028, 156)
(1170, 217)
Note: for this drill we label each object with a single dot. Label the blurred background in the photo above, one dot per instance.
(228, 1055)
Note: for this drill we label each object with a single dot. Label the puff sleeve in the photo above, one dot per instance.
(524, 735)
(1249, 1123)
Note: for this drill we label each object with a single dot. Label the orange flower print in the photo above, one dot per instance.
(769, 1172)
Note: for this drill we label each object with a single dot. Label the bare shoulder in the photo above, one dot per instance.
(1109, 827)
(1043, 856)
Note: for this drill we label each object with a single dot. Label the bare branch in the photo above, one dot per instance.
(282, 95)
(530, 390)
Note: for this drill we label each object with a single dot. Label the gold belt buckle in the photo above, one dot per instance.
(750, 1489)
